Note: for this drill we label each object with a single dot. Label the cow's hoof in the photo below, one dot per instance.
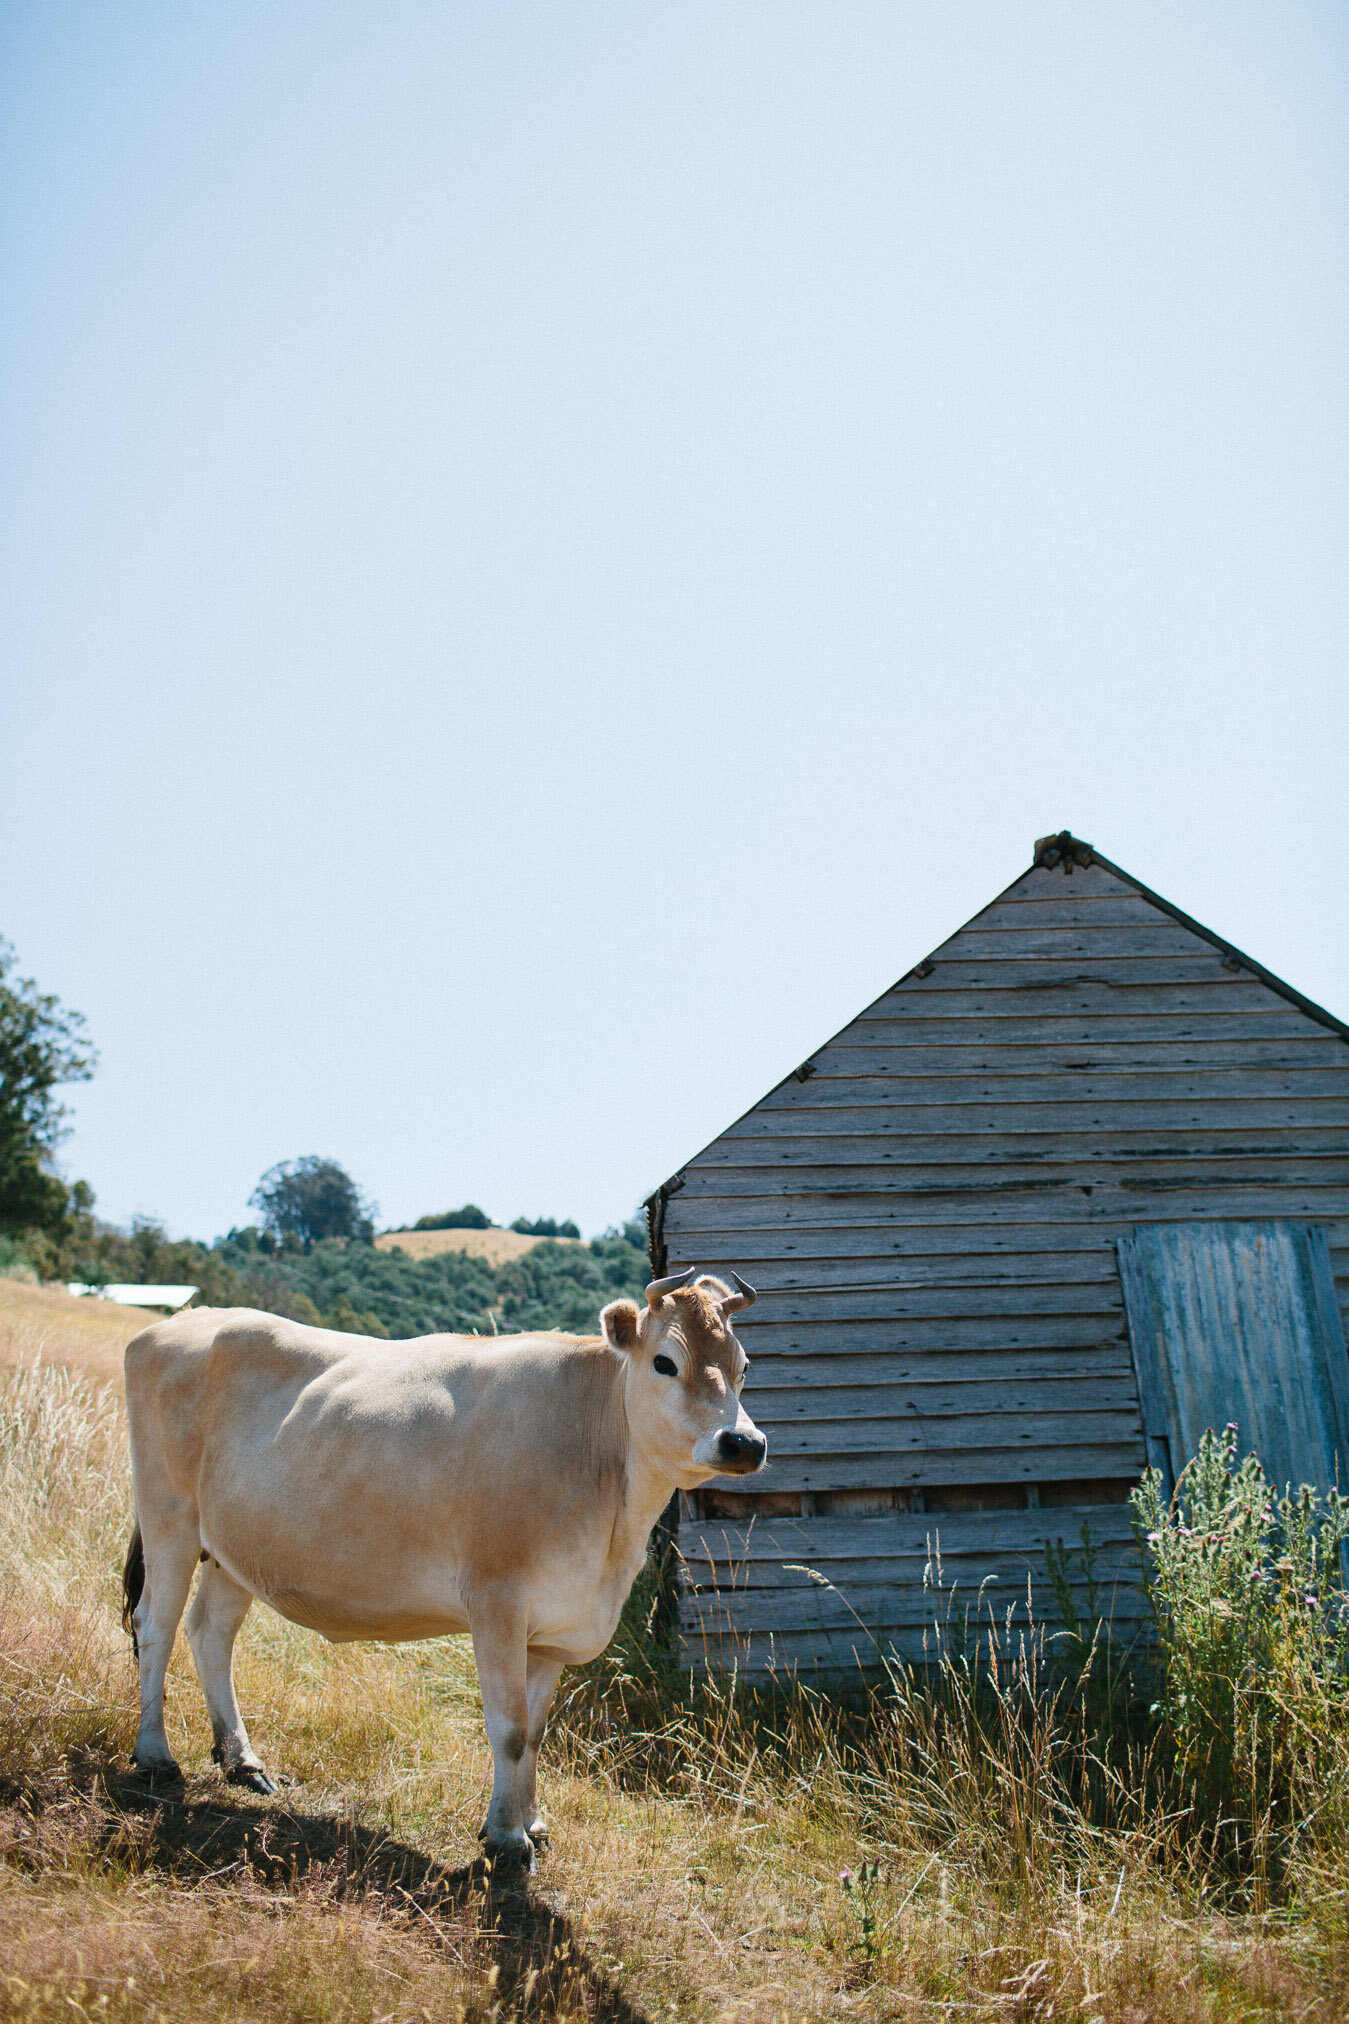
(159, 1771)
(252, 1777)
(511, 1855)
(538, 1832)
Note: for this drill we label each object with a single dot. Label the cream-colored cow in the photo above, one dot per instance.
(394, 1490)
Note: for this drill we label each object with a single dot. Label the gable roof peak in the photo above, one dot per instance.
(1065, 849)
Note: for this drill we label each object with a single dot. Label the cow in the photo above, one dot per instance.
(504, 1486)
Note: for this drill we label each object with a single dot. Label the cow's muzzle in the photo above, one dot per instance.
(740, 1454)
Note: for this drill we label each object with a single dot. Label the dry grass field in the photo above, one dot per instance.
(698, 1836)
(498, 1247)
(43, 1322)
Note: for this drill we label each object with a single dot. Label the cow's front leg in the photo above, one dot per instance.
(541, 1684)
(499, 1646)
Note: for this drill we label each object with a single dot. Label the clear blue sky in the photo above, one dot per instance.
(551, 551)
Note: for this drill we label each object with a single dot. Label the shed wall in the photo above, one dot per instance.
(929, 1209)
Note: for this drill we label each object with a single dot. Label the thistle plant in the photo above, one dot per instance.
(859, 1894)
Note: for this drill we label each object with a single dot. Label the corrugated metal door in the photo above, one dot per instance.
(1239, 1322)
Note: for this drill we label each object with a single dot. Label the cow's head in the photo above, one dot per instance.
(685, 1370)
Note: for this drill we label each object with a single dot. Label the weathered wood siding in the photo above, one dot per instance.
(929, 1209)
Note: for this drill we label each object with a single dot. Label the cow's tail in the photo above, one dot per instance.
(133, 1581)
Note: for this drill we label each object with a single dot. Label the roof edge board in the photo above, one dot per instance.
(1276, 983)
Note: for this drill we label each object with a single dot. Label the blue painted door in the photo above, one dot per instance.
(1239, 1322)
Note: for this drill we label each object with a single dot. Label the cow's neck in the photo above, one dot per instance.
(644, 1495)
(644, 1490)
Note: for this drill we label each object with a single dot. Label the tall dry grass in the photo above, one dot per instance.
(43, 1324)
(1012, 1843)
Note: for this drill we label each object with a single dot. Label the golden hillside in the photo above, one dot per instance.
(498, 1247)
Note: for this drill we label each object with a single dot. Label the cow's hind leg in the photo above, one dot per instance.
(171, 1548)
(542, 1679)
(499, 1648)
(218, 1609)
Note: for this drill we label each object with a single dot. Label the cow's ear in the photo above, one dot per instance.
(619, 1322)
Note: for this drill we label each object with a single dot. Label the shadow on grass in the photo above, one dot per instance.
(484, 1921)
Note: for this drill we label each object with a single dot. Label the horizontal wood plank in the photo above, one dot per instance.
(1082, 1363)
(1161, 1117)
(833, 1089)
(1198, 968)
(915, 1432)
(994, 1020)
(1088, 1267)
(987, 1214)
(937, 1467)
(1100, 941)
(819, 1404)
(934, 1565)
(1071, 910)
(846, 1661)
(1096, 1305)
(826, 1335)
(829, 1538)
(968, 1249)
(1041, 1053)
(974, 1166)
(877, 1610)
(1033, 994)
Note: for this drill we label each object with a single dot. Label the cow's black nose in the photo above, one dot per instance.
(740, 1454)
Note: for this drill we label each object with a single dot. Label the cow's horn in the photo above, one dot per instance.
(746, 1296)
(658, 1288)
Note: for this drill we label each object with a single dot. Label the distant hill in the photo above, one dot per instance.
(498, 1247)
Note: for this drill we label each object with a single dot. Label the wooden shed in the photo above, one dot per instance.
(1074, 1188)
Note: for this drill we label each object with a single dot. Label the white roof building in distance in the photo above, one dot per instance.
(169, 1298)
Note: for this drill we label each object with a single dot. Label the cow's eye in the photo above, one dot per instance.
(666, 1365)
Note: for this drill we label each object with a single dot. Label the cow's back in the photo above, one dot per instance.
(182, 1374)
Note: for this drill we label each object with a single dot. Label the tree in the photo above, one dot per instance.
(470, 1217)
(311, 1198)
(42, 1045)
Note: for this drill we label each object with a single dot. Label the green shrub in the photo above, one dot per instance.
(1247, 1590)
(345, 1318)
(15, 1262)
